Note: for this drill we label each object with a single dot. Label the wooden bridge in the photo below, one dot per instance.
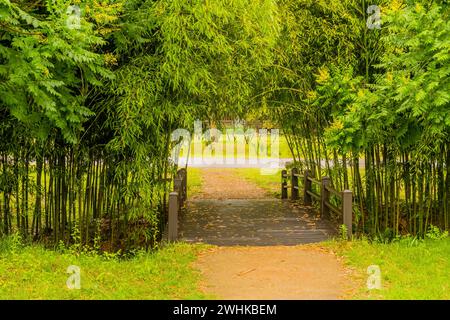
(261, 222)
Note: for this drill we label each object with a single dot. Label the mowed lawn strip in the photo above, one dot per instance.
(194, 181)
(33, 272)
(269, 182)
(410, 269)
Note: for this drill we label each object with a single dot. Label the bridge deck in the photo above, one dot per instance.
(254, 222)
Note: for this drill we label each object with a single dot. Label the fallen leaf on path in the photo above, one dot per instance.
(245, 272)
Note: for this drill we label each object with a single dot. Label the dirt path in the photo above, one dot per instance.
(265, 271)
(227, 184)
(273, 273)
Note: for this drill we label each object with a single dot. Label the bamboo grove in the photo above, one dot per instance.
(90, 93)
(371, 109)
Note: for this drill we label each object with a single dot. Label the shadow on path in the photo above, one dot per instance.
(255, 222)
(221, 215)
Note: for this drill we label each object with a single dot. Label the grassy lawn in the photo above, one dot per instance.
(194, 181)
(283, 150)
(33, 272)
(409, 270)
(271, 183)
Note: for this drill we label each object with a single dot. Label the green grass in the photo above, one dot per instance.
(270, 183)
(409, 270)
(283, 150)
(194, 181)
(33, 272)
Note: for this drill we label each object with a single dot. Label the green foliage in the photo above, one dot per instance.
(194, 179)
(411, 99)
(408, 103)
(434, 233)
(408, 240)
(385, 99)
(410, 268)
(335, 96)
(88, 105)
(92, 102)
(47, 67)
(11, 244)
(343, 232)
(178, 61)
(33, 272)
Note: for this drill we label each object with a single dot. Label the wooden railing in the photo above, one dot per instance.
(176, 201)
(344, 210)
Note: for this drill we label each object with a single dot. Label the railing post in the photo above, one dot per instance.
(347, 203)
(307, 184)
(178, 188)
(284, 194)
(325, 197)
(174, 207)
(294, 184)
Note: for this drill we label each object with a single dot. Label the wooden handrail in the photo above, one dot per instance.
(345, 209)
(332, 207)
(314, 180)
(333, 191)
(313, 194)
